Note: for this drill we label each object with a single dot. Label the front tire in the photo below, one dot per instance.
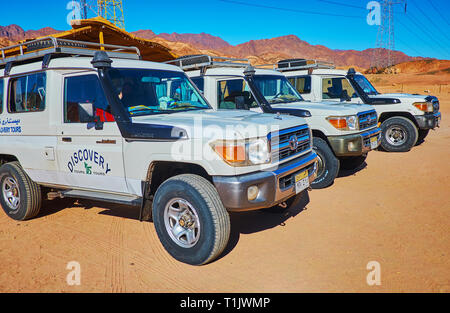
(328, 164)
(20, 197)
(190, 219)
(398, 134)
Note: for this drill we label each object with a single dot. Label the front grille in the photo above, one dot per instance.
(367, 119)
(290, 142)
(289, 180)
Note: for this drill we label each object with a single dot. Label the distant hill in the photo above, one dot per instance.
(429, 66)
(14, 33)
(275, 49)
(258, 51)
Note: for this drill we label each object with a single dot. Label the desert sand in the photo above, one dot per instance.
(395, 210)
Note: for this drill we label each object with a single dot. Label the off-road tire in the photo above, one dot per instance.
(214, 218)
(351, 163)
(406, 126)
(30, 193)
(329, 162)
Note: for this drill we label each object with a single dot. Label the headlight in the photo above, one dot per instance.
(424, 106)
(344, 122)
(243, 152)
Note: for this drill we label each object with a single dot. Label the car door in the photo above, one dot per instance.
(89, 158)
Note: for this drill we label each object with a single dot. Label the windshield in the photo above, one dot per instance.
(277, 89)
(148, 92)
(364, 83)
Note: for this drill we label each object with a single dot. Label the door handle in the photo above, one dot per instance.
(106, 142)
(67, 139)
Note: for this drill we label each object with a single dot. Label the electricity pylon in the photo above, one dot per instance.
(383, 56)
(111, 10)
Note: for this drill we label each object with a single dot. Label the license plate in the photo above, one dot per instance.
(301, 181)
(373, 143)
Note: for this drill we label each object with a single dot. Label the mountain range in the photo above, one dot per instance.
(258, 51)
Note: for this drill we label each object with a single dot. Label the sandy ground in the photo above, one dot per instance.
(395, 211)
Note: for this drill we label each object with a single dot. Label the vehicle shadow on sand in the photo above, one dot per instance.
(347, 173)
(260, 220)
(241, 223)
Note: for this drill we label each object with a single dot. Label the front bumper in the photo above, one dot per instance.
(275, 185)
(428, 120)
(355, 145)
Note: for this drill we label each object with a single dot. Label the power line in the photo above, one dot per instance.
(421, 27)
(431, 21)
(343, 4)
(426, 42)
(410, 47)
(288, 10)
(438, 12)
(347, 5)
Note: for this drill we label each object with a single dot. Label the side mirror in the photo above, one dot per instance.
(87, 115)
(98, 123)
(345, 96)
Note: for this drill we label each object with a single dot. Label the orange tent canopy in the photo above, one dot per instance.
(99, 30)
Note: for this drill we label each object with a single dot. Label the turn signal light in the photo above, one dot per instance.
(339, 123)
(232, 154)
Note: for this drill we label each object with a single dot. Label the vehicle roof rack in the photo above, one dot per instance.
(36, 49)
(202, 61)
(302, 64)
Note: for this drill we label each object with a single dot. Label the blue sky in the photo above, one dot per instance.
(340, 24)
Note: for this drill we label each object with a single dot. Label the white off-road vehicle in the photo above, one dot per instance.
(91, 121)
(343, 134)
(406, 119)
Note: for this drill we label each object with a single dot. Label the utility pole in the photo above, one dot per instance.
(111, 10)
(383, 56)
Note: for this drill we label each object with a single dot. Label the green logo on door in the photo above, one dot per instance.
(88, 168)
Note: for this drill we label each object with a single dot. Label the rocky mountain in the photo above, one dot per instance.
(13, 33)
(274, 49)
(202, 40)
(258, 51)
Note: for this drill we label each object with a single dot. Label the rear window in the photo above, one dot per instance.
(1, 95)
(27, 93)
(234, 94)
(301, 83)
(337, 88)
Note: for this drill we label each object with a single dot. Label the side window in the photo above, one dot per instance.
(79, 93)
(301, 83)
(336, 88)
(199, 82)
(27, 93)
(234, 94)
(1, 95)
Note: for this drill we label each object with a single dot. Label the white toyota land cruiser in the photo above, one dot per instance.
(343, 135)
(406, 119)
(84, 123)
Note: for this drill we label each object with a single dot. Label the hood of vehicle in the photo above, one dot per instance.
(401, 96)
(234, 124)
(327, 108)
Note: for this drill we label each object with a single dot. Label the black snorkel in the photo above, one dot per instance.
(129, 130)
(249, 74)
(363, 95)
